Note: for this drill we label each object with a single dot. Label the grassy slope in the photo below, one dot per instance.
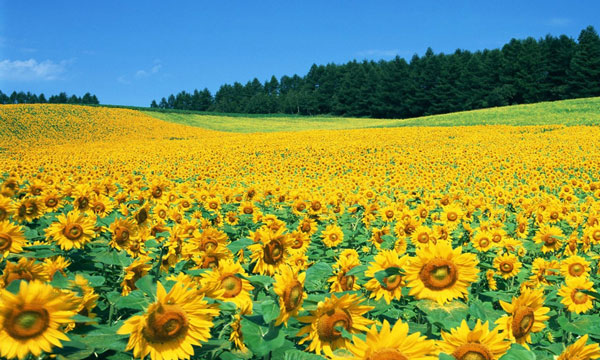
(566, 112)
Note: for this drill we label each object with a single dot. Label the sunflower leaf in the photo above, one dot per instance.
(518, 352)
(147, 285)
(382, 274)
(237, 245)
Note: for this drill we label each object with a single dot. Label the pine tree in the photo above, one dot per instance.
(584, 70)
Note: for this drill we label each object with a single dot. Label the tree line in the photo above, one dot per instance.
(522, 71)
(62, 98)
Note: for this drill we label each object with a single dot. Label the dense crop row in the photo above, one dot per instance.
(414, 243)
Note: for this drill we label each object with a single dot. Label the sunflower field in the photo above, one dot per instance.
(123, 236)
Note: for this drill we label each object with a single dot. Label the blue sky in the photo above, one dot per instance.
(130, 52)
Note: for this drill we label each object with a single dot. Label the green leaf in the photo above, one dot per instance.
(95, 280)
(260, 280)
(59, 281)
(103, 338)
(591, 293)
(135, 300)
(447, 316)
(444, 356)
(360, 269)
(147, 285)
(237, 245)
(270, 310)
(317, 275)
(518, 352)
(582, 325)
(260, 339)
(295, 354)
(484, 311)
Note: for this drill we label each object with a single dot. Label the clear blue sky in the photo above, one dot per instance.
(130, 52)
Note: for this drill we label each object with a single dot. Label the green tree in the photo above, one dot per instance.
(584, 69)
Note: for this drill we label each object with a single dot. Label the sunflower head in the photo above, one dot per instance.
(526, 315)
(479, 343)
(289, 286)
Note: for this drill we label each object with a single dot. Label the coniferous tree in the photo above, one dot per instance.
(584, 69)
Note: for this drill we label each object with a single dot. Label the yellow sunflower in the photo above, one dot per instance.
(11, 238)
(482, 241)
(55, 264)
(573, 298)
(422, 236)
(230, 277)
(289, 286)
(507, 265)
(451, 216)
(171, 326)
(441, 273)
(549, 237)
(391, 344)
(135, 271)
(32, 318)
(25, 269)
(386, 260)
(307, 226)
(270, 254)
(72, 231)
(332, 235)
(526, 315)
(122, 231)
(580, 351)
(28, 209)
(575, 267)
(481, 343)
(322, 329)
(6, 208)
(340, 281)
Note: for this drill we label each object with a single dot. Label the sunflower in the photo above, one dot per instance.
(11, 239)
(56, 264)
(322, 329)
(573, 297)
(6, 208)
(332, 235)
(171, 326)
(451, 216)
(32, 318)
(121, 231)
(540, 269)
(247, 208)
(481, 343)
(441, 273)
(135, 271)
(52, 201)
(391, 288)
(422, 236)
(101, 205)
(507, 265)
(87, 297)
(492, 284)
(549, 237)
(236, 336)
(289, 286)
(210, 259)
(231, 218)
(482, 241)
(391, 343)
(340, 281)
(580, 351)
(299, 242)
(526, 315)
(25, 269)
(28, 209)
(72, 231)
(575, 267)
(307, 226)
(270, 254)
(230, 277)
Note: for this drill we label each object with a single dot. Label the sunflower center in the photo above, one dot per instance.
(27, 323)
(316, 205)
(121, 235)
(347, 282)
(554, 215)
(579, 297)
(496, 238)
(248, 210)
(549, 240)
(141, 216)
(576, 269)
(210, 262)
(3, 214)
(305, 227)
(484, 242)
(301, 207)
(73, 231)
(423, 238)
(168, 322)
(521, 228)
(389, 214)
(232, 285)
(452, 216)
(596, 235)
(82, 203)
(438, 274)
(506, 267)
(330, 322)
(392, 282)
(213, 205)
(162, 213)
(273, 252)
(523, 320)
(296, 244)
(157, 192)
(472, 351)
(387, 354)
(51, 202)
(99, 208)
(333, 237)
(292, 297)
(423, 214)
(5, 241)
